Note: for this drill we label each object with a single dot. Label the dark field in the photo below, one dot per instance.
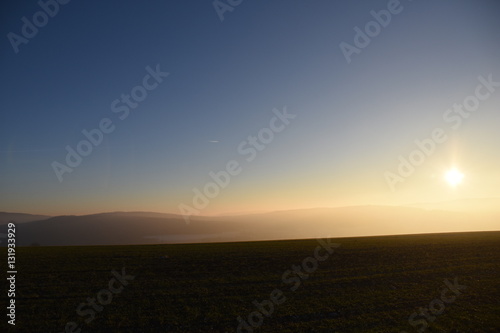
(371, 284)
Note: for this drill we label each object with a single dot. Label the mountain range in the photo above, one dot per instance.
(118, 228)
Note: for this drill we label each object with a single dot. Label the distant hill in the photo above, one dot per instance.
(483, 206)
(151, 228)
(20, 217)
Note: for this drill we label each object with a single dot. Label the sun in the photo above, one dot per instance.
(454, 177)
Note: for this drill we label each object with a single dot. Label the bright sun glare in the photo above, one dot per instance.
(454, 177)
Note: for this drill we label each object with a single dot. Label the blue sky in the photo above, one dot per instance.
(225, 78)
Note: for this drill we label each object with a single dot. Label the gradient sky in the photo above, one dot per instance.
(352, 121)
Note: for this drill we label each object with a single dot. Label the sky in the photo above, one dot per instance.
(334, 108)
